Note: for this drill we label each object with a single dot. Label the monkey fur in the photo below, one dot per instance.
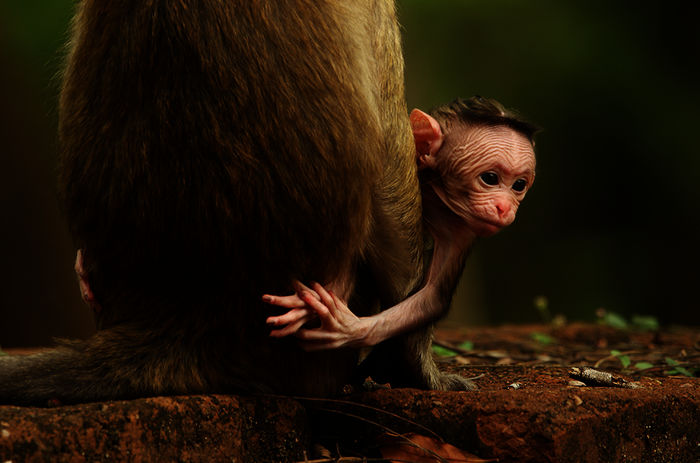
(213, 151)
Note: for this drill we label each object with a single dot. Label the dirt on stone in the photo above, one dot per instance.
(641, 405)
(530, 408)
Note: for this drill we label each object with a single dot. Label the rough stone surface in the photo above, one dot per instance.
(187, 429)
(526, 409)
(547, 420)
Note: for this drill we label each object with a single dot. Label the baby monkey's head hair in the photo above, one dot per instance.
(478, 110)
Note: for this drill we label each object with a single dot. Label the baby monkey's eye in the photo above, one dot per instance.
(520, 185)
(489, 178)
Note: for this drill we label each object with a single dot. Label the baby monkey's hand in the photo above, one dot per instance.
(339, 326)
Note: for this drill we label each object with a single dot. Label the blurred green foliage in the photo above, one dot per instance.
(33, 34)
(612, 219)
(466, 345)
(678, 370)
(443, 351)
(542, 338)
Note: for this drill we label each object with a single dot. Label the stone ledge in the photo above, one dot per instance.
(191, 429)
(542, 421)
(545, 419)
(549, 422)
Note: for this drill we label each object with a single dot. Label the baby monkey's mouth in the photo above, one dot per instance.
(485, 228)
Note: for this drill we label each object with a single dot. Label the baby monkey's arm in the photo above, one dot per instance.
(472, 181)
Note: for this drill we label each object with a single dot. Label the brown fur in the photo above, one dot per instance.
(212, 151)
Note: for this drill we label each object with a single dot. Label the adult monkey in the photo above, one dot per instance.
(213, 151)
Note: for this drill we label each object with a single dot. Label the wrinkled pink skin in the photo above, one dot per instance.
(458, 207)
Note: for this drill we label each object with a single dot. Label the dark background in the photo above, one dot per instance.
(611, 222)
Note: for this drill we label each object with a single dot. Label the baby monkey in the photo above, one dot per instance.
(476, 162)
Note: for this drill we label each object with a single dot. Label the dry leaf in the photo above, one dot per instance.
(423, 449)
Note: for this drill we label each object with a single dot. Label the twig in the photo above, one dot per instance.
(388, 431)
(343, 460)
(367, 407)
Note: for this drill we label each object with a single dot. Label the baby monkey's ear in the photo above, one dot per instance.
(428, 137)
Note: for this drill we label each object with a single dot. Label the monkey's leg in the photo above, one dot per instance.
(407, 361)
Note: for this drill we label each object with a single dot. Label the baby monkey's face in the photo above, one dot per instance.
(489, 170)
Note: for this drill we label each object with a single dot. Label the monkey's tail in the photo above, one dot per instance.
(113, 364)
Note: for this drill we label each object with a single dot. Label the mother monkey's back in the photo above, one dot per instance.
(212, 152)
